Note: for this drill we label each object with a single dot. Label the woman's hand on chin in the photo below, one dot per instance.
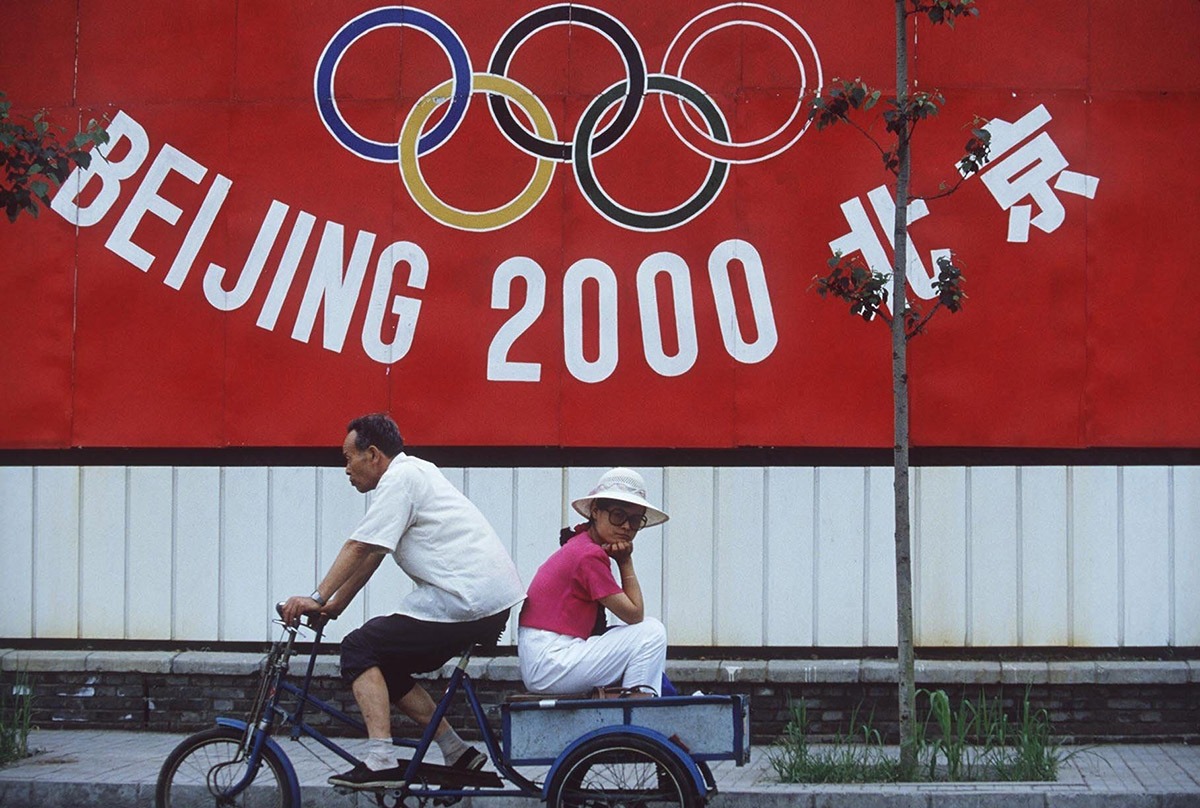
(619, 550)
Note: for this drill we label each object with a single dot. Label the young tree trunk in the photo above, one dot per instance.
(904, 617)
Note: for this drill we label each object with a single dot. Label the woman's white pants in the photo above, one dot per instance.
(634, 654)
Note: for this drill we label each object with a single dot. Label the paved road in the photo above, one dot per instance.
(80, 768)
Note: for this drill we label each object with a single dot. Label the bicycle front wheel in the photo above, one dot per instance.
(203, 769)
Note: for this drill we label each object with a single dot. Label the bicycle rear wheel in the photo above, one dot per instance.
(622, 770)
(206, 765)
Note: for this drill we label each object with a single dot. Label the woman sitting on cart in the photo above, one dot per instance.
(562, 643)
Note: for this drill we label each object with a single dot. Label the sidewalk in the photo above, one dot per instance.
(80, 768)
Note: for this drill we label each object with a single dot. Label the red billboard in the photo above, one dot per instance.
(530, 224)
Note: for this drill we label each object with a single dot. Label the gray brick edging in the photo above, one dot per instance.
(752, 671)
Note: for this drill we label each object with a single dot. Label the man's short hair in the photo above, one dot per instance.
(378, 430)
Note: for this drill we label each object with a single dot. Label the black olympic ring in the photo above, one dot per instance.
(658, 83)
(611, 27)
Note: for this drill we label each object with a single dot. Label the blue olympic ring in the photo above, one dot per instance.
(390, 16)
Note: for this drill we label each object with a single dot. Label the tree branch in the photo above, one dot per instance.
(912, 328)
(865, 134)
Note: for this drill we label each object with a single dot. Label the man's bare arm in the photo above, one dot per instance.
(344, 594)
(354, 565)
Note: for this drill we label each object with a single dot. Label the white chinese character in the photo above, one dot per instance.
(865, 239)
(1026, 172)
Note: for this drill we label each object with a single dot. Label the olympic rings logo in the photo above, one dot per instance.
(712, 140)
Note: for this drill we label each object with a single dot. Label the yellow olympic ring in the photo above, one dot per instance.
(410, 167)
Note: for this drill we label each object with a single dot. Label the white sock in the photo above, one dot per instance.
(380, 754)
(451, 745)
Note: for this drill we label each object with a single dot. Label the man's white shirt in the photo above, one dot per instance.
(441, 540)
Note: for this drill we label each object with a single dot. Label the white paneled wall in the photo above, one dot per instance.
(752, 556)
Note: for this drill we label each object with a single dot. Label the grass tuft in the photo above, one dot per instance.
(970, 741)
(16, 713)
(856, 756)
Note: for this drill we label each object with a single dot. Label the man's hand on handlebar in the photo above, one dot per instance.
(297, 606)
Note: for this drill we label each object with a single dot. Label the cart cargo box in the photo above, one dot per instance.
(712, 727)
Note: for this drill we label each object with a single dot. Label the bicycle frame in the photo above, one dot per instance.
(589, 731)
(269, 711)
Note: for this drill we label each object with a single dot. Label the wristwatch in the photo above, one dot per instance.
(316, 595)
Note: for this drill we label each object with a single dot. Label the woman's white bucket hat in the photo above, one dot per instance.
(622, 485)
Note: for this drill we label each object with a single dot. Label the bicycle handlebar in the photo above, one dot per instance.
(314, 622)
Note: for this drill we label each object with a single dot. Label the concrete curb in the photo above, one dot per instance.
(81, 769)
(756, 671)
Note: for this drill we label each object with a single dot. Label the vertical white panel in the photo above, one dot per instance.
(535, 536)
(56, 552)
(1186, 566)
(537, 519)
(246, 607)
(493, 490)
(197, 552)
(993, 556)
(839, 563)
(940, 556)
(1044, 558)
(1146, 524)
(102, 553)
(148, 599)
(1094, 604)
(881, 558)
(690, 544)
(340, 508)
(789, 556)
(16, 548)
(292, 494)
(651, 553)
(739, 578)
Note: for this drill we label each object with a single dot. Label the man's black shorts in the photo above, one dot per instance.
(401, 646)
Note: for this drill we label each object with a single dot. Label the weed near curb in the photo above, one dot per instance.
(975, 741)
(16, 711)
